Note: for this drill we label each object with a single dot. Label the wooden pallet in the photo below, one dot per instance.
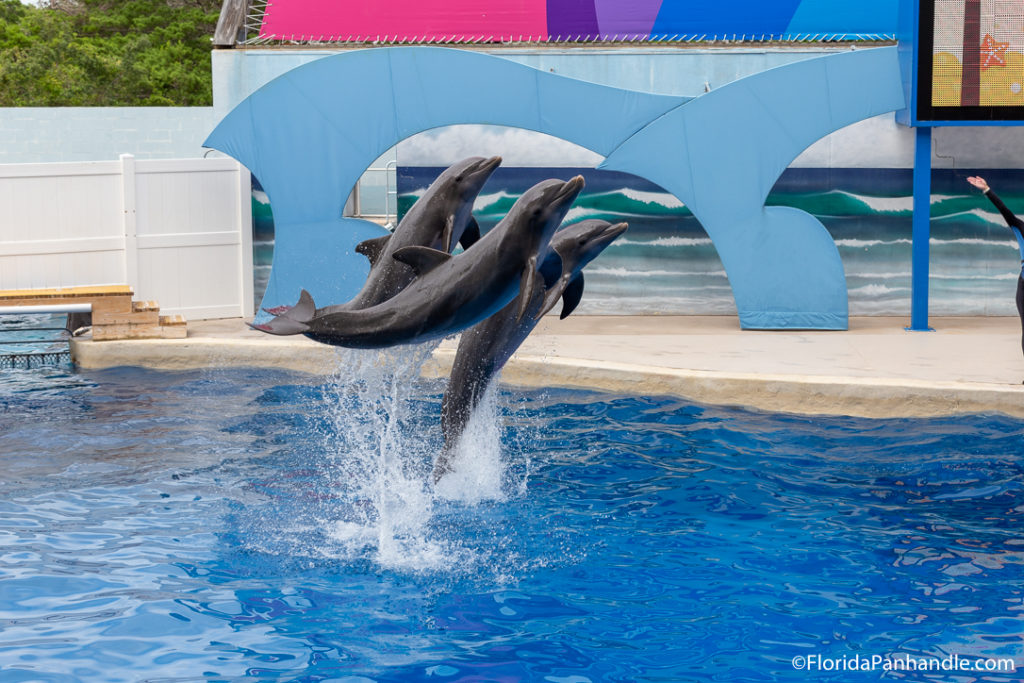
(114, 314)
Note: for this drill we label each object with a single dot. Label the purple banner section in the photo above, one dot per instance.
(572, 19)
(626, 20)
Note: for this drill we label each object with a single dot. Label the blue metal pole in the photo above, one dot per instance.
(921, 229)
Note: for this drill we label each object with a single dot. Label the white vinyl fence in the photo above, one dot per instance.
(179, 231)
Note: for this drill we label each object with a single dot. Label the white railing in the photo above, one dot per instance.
(179, 231)
(375, 196)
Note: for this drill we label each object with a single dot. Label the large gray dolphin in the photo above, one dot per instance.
(439, 219)
(450, 293)
(485, 348)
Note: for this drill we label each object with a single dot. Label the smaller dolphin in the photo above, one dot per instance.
(439, 219)
(485, 348)
(450, 293)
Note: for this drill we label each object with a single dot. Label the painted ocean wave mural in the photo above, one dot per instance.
(667, 265)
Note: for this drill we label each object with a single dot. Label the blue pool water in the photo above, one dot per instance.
(257, 525)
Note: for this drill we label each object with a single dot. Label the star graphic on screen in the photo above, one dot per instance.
(993, 53)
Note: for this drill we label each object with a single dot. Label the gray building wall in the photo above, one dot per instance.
(44, 134)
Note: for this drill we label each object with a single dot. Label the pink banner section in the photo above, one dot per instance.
(411, 20)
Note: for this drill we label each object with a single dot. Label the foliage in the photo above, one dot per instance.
(106, 52)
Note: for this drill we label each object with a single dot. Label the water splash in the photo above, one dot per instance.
(379, 444)
(377, 455)
(477, 466)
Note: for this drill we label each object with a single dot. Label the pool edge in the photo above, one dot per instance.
(790, 393)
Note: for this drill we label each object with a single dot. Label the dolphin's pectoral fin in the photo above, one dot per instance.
(421, 259)
(526, 285)
(373, 248)
(471, 235)
(446, 235)
(571, 297)
(552, 295)
(570, 289)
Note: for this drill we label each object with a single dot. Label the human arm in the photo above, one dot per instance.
(1011, 220)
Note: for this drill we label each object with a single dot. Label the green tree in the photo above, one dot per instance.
(106, 52)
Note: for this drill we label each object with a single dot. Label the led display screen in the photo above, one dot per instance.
(971, 60)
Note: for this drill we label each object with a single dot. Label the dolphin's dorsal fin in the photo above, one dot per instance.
(471, 235)
(421, 259)
(373, 248)
(571, 296)
(303, 311)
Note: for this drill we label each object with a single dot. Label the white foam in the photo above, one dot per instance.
(665, 242)
(661, 199)
(879, 204)
(486, 202)
(876, 290)
(629, 272)
(988, 216)
(858, 243)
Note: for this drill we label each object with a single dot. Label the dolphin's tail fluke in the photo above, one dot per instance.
(289, 319)
(281, 326)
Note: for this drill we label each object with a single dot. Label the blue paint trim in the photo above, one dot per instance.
(921, 232)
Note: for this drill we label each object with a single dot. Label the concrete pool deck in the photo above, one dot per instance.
(875, 369)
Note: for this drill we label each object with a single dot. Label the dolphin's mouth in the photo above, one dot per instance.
(569, 190)
(613, 231)
(485, 167)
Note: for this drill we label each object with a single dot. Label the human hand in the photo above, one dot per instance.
(979, 183)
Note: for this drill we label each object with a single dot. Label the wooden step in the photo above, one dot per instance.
(125, 318)
(145, 306)
(173, 327)
(67, 292)
(178, 330)
(172, 320)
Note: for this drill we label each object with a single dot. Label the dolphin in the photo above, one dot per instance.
(449, 293)
(485, 348)
(440, 219)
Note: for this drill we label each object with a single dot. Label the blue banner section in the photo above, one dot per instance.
(864, 17)
(724, 17)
